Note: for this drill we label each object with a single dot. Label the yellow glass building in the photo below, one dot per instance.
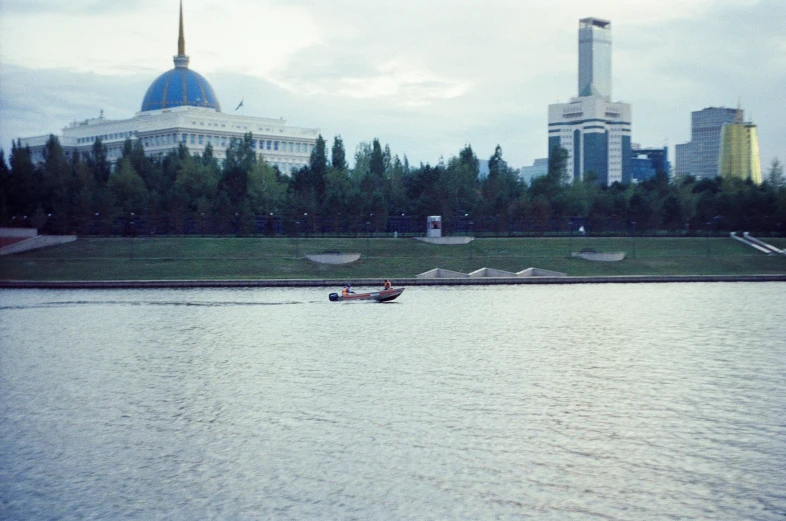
(739, 153)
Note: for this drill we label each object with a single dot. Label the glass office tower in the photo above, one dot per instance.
(595, 58)
(699, 157)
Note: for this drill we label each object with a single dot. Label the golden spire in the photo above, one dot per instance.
(181, 60)
(181, 40)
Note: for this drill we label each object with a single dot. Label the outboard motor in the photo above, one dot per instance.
(333, 297)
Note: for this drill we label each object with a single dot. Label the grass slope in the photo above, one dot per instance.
(258, 258)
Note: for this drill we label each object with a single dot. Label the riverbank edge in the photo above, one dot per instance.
(301, 283)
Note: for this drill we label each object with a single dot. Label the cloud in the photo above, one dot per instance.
(426, 77)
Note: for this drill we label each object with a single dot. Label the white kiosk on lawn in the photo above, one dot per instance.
(434, 226)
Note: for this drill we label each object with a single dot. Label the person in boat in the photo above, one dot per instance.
(347, 290)
(388, 285)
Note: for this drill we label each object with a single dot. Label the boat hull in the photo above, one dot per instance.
(377, 296)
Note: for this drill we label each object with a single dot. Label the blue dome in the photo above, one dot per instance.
(177, 87)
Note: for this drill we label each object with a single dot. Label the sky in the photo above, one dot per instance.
(425, 77)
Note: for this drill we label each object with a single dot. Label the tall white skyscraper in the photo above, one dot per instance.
(595, 58)
(595, 131)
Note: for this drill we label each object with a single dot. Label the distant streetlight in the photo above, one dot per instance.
(471, 238)
(368, 239)
(709, 225)
(297, 239)
(634, 238)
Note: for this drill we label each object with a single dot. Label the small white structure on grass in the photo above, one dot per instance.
(434, 226)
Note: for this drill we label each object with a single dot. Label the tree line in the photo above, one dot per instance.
(181, 193)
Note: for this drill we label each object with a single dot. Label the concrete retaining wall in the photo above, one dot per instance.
(294, 283)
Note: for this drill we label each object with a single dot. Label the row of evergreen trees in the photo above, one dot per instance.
(182, 193)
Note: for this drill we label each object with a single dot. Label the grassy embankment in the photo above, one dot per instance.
(256, 258)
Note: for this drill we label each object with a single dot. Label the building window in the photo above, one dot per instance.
(275, 145)
(201, 139)
(291, 147)
(223, 141)
(268, 144)
(254, 144)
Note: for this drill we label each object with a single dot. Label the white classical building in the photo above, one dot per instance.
(180, 106)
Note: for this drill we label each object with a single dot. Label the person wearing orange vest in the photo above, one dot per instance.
(347, 290)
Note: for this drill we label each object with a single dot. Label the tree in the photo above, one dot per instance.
(267, 189)
(24, 194)
(318, 166)
(240, 160)
(127, 188)
(5, 187)
(338, 154)
(57, 184)
(240, 154)
(99, 163)
(558, 167)
(500, 189)
(775, 174)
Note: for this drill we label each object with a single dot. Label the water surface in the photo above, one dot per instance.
(661, 401)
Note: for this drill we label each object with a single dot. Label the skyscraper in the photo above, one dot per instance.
(699, 157)
(739, 151)
(594, 130)
(595, 58)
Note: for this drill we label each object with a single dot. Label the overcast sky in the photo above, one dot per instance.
(426, 77)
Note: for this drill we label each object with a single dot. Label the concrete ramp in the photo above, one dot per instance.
(34, 243)
(439, 273)
(538, 272)
(747, 242)
(491, 272)
(769, 247)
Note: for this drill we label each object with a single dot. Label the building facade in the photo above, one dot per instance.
(699, 157)
(739, 151)
(539, 168)
(647, 162)
(595, 131)
(595, 57)
(180, 107)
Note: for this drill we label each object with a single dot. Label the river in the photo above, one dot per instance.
(611, 401)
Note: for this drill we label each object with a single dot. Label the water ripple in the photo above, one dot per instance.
(609, 402)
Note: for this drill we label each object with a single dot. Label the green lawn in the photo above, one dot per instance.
(257, 258)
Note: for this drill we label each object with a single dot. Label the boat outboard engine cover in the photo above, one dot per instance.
(333, 297)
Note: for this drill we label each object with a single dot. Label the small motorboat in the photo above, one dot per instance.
(378, 296)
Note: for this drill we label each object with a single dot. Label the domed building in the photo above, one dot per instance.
(180, 106)
(181, 86)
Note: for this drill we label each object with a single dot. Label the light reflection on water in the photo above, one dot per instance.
(660, 401)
